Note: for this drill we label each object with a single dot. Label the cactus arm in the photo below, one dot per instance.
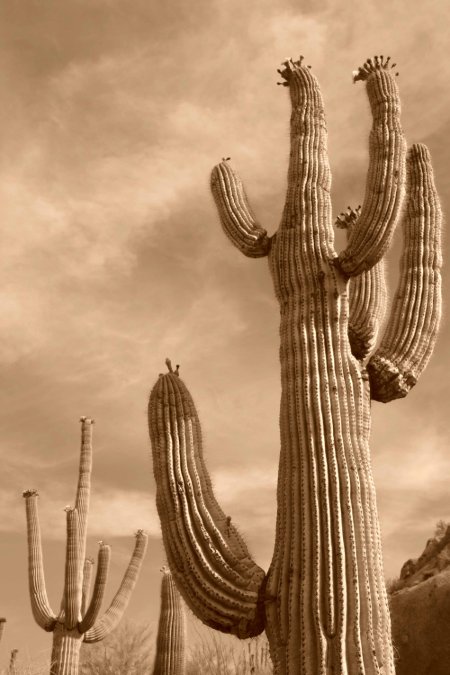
(73, 570)
(209, 560)
(409, 339)
(84, 481)
(385, 179)
(42, 612)
(235, 214)
(87, 578)
(114, 613)
(101, 577)
(2, 626)
(367, 297)
(170, 642)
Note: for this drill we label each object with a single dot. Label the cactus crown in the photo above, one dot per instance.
(372, 66)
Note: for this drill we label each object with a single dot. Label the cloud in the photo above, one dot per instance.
(113, 514)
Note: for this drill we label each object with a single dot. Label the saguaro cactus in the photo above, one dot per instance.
(323, 601)
(170, 644)
(77, 620)
(2, 626)
(12, 670)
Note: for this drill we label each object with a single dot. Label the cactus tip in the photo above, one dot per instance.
(370, 66)
(30, 493)
(140, 533)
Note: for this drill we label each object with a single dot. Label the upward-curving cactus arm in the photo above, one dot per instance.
(209, 560)
(411, 332)
(114, 613)
(42, 612)
(386, 174)
(86, 589)
(235, 213)
(101, 577)
(367, 297)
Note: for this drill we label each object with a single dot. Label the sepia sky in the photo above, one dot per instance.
(112, 114)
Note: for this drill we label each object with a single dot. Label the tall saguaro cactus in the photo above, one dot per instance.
(78, 619)
(323, 601)
(170, 643)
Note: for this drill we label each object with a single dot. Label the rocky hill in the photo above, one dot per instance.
(420, 610)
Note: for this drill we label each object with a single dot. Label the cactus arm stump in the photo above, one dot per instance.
(323, 602)
(2, 626)
(77, 621)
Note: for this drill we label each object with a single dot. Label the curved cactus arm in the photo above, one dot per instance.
(84, 481)
(86, 588)
(367, 297)
(101, 577)
(235, 214)
(170, 642)
(73, 582)
(114, 613)
(385, 178)
(209, 560)
(40, 606)
(411, 331)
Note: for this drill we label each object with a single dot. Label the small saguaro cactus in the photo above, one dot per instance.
(78, 619)
(12, 670)
(323, 602)
(170, 644)
(2, 626)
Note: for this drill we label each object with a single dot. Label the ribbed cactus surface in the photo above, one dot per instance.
(171, 640)
(78, 619)
(323, 601)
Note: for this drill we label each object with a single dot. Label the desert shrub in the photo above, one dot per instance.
(129, 650)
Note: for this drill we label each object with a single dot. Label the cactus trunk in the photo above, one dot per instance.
(326, 601)
(65, 651)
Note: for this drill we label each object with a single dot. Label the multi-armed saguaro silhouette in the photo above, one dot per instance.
(171, 641)
(77, 619)
(323, 601)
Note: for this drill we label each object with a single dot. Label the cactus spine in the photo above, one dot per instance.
(77, 620)
(170, 643)
(323, 601)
